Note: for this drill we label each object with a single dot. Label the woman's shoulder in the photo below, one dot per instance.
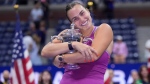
(104, 27)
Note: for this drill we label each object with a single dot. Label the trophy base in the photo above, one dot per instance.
(72, 66)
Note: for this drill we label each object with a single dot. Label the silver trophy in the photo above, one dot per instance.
(68, 36)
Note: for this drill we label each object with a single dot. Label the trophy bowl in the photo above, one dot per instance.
(68, 36)
(71, 35)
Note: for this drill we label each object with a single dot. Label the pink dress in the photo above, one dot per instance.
(88, 73)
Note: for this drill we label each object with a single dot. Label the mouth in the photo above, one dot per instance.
(83, 24)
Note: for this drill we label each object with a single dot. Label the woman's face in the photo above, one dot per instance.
(80, 17)
(134, 75)
(46, 76)
(144, 72)
(32, 26)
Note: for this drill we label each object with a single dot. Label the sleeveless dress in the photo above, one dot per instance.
(88, 73)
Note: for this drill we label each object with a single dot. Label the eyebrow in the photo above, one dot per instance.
(77, 15)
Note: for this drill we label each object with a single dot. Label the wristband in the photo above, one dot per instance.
(70, 46)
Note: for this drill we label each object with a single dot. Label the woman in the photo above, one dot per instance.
(45, 78)
(120, 51)
(144, 75)
(92, 58)
(135, 77)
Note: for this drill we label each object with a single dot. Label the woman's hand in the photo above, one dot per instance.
(84, 49)
(57, 63)
(57, 40)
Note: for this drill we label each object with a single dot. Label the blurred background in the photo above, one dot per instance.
(39, 20)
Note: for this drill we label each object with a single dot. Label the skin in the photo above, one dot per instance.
(111, 75)
(144, 73)
(83, 21)
(46, 77)
(6, 74)
(135, 75)
(119, 58)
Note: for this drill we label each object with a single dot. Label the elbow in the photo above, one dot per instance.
(92, 60)
(96, 56)
(95, 59)
(43, 53)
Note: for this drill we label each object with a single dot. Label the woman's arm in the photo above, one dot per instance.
(78, 58)
(73, 58)
(102, 41)
(103, 38)
(56, 48)
(53, 49)
(110, 48)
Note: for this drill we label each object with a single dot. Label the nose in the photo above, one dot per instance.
(81, 18)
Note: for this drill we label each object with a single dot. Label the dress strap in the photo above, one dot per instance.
(92, 34)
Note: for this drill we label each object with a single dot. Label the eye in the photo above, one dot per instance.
(75, 19)
(82, 13)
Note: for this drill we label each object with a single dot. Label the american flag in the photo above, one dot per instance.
(21, 70)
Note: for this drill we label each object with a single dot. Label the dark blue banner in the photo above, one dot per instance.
(121, 72)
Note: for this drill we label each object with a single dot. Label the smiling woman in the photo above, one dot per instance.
(92, 57)
(80, 16)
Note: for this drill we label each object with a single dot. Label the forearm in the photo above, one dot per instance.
(78, 58)
(53, 49)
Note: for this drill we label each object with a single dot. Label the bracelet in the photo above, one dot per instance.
(60, 58)
(70, 46)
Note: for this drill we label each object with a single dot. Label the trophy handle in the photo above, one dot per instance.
(58, 37)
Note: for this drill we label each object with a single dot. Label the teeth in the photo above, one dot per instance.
(84, 23)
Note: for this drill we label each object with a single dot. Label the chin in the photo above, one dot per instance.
(85, 28)
(88, 26)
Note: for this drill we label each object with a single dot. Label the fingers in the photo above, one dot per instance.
(86, 55)
(87, 51)
(89, 55)
(94, 51)
(61, 65)
(83, 53)
(91, 59)
(90, 51)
